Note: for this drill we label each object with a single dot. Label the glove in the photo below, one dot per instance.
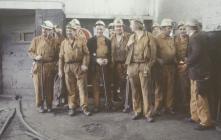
(38, 57)
(182, 68)
(99, 61)
(60, 73)
(84, 68)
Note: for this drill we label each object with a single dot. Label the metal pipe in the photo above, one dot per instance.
(20, 115)
(7, 122)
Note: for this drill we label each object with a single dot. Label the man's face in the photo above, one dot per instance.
(166, 30)
(111, 31)
(118, 29)
(100, 29)
(156, 30)
(70, 33)
(133, 26)
(188, 29)
(182, 30)
(46, 32)
(59, 31)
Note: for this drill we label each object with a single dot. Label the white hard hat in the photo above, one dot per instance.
(166, 22)
(118, 21)
(100, 22)
(180, 23)
(75, 22)
(111, 25)
(192, 22)
(72, 25)
(138, 20)
(155, 25)
(47, 24)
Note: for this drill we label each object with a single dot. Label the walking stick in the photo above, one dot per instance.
(62, 89)
(105, 89)
(126, 104)
(42, 84)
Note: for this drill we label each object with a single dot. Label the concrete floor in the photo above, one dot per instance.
(106, 126)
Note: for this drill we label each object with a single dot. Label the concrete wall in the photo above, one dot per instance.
(0, 61)
(179, 10)
(108, 8)
(55, 15)
(89, 8)
(203, 10)
(17, 28)
(16, 33)
(207, 11)
(31, 4)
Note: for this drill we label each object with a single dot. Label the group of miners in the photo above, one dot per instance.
(143, 71)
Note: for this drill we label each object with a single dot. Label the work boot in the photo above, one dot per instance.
(41, 109)
(87, 113)
(150, 119)
(49, 110)
(126, 110)
(189, 120)
(202, 127)
(71, 112)
(58, 103)
(136, 116)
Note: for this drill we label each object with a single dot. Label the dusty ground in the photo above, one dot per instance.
(101, 126)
